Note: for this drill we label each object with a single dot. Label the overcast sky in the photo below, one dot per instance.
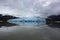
(30, 8)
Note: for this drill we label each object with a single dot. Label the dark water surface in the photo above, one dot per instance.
(28, 32)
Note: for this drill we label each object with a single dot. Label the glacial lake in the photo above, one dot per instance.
(29, 31)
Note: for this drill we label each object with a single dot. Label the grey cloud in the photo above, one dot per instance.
(32, 6)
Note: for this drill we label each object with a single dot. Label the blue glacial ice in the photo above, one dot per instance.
(27, 21)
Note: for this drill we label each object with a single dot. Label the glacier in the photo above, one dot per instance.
(27, 20)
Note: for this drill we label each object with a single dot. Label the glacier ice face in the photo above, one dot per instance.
(27, 21)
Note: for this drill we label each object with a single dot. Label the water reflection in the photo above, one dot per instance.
(54, 25)
(7, 24)
(29, 31)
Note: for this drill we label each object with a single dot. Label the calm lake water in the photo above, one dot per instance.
(28, 32)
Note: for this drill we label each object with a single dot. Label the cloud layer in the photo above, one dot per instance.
(30, 8)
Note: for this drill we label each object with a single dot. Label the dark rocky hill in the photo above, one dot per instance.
(5, 18)
(53, 19)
